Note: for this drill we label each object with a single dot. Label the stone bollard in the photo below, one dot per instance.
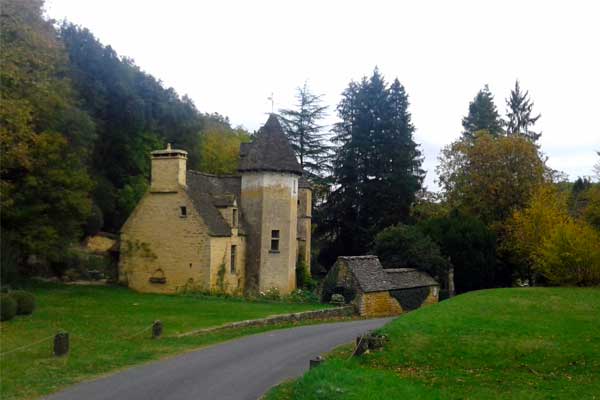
(61, 344)
(362, 345)
(157, 328)
(314, 362)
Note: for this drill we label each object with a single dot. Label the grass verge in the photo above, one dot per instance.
(106, 327)
(537, 343)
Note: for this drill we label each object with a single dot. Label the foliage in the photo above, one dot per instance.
(470, 247)
(302, 296)
(270, 294)
(376, 169)
(405, 246)
(570, 255)
(590, 209)
(305, 132)
(8, 307)
(43, 137)
(9, 259)
(133, 114)
(104, 318)
(519, 114)
(220, 146)
(597, 168)
(488, 345)
(483, 115)
(489, 176)
(527, 228)
(25, 301)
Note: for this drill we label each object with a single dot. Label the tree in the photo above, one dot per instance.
(305, 132)
(133, 114)
(483, 115)
(520, 114)
(597, 168)
(376, 168)
(44, 138)
(570, 255)
(470, 247)
(527, 228)
(220, 147)
(490, 177)
(405, 246)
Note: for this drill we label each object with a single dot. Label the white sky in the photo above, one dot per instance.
(228, 56)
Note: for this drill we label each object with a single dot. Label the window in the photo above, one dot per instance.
(183, 211)
(233, 256)
(234, 218)
(275, 241)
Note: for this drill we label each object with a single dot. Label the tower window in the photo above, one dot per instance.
(234, 218)
(183, 211)
(275, 240)
(233, 257)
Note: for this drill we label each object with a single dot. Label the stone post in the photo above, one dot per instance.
(157, 328)
(314, 362)
(61, 344)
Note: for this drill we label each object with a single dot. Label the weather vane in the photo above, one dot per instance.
(271, 98)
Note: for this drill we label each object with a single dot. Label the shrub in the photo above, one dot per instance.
(271, 294)
(302, 296)
(570, 255)
(25, 301)
(8, 307)
(407, 247)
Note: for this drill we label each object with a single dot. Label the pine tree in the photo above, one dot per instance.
(519, 113)
(376, 168)
(306, 134)
(483, 115)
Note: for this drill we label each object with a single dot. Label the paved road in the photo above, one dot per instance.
(243, 369)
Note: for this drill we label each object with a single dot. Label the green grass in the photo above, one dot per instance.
(538, 343)
(100, 321)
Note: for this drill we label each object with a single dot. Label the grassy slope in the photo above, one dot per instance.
(100, 321)
(539, 343)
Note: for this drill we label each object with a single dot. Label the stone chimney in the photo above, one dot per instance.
(168, 170)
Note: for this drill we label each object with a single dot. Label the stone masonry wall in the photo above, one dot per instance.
(377, 304)
(157, 241)
(220, 257)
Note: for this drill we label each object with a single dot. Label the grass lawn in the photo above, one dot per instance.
(537, 343)
(100, 322)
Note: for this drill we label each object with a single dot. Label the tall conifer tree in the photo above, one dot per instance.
(483, 115)
(304, 128)
(377, 166)
(520, 114)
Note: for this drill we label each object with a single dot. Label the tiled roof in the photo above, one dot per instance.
(372, 277)
(269, 151)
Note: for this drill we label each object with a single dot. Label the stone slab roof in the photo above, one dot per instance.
(209, 192)
(269, 151)
(372, 277)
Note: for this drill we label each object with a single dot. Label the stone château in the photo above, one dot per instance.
(234, 233)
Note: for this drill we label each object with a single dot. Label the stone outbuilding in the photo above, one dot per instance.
(375, 291)
(229, 233)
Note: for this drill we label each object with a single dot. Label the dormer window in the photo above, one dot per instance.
(183, 211)
(234, 218)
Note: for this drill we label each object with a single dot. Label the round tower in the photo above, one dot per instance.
(269, 202)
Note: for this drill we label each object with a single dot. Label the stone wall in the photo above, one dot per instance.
(377, 304)
(220, 259)
(157, 242)
(269, 202)
(328, 313)
(304, 224)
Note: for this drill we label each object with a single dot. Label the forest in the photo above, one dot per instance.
(77, 121)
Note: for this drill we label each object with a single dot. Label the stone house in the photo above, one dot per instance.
(234, 233)
(375, 291)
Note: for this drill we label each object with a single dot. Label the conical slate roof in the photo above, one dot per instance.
(270, 151)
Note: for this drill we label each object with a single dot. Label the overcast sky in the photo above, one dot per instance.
(228, 56)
